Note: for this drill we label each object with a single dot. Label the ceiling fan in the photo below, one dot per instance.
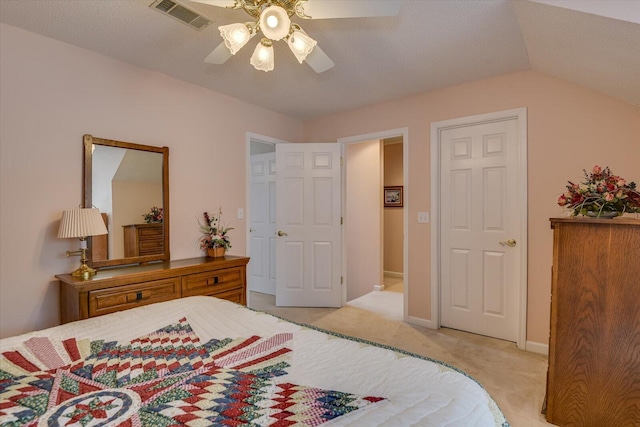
(273, 19)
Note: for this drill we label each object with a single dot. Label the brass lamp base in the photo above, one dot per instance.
(84, 271)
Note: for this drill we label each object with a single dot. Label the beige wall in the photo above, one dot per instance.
(569, 128)
(52, 94)
(393, 217)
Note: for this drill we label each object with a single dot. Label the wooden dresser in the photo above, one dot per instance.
(143, 239)
(121, 288)
(594, 346)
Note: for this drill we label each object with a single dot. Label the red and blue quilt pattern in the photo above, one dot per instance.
(166, 378)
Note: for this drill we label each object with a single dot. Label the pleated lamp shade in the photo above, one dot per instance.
(81, 223)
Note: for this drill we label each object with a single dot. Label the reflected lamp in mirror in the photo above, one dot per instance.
(81, 223)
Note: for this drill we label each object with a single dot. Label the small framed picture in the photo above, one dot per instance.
(393, 197)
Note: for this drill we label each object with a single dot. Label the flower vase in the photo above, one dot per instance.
(216, 252)
(602, 215)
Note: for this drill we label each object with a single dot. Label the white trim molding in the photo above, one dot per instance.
(536, 347)
(393, 274)
(417, 321)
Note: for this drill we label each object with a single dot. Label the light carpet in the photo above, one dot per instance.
(386, 304)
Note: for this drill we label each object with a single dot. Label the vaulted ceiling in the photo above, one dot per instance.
(431, 44)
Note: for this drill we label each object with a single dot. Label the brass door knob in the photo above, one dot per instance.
(511, 243)
(282, 233)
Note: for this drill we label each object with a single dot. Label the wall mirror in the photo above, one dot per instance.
(129, 184)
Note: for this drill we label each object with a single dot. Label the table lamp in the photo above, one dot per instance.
(81, 223)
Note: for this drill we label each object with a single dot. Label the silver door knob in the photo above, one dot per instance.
(282, 233)
(511, 243)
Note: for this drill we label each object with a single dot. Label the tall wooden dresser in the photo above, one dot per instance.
(143, 239)
(594, 346)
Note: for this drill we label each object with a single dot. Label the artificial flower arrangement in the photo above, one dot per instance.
(154, 215)
(601, 194)
(214, 233)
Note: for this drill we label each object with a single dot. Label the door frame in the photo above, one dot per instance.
(391, 133)
(436, 129)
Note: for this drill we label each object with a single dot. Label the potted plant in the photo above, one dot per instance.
(601, 195)
(214, 237)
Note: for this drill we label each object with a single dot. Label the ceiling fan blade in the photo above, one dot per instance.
(219, 3)
(220, 55)
(319, 61)
(324, 9)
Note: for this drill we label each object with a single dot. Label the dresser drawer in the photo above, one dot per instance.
(151, 247)
(212, 282)
(115, 289)
(124, 297)
(150, 233)
(234, 295)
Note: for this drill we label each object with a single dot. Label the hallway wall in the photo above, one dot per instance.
(363, 222)
(393, 217)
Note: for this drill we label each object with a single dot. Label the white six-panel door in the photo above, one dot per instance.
(308, 225)
(479, 228)
(262, 268)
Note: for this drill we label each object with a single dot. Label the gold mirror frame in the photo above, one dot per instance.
(89, 142)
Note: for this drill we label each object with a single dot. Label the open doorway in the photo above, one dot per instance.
(397, 275)
(375, 228)
(295, 189)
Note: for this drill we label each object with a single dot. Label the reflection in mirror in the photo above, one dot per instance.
(128, 183)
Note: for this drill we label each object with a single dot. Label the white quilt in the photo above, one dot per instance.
(417, 391)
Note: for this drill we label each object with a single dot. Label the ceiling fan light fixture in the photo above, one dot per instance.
(263, 57)
(274, 22)
(301, 44)
(235, 36)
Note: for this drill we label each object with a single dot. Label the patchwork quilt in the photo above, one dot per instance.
(201, 361)
(166, 378)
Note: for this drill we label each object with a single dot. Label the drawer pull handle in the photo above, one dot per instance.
(138, 296)
(214, 282)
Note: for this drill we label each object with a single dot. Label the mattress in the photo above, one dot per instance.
(382, 386)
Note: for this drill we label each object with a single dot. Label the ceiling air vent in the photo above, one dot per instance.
(181, 13)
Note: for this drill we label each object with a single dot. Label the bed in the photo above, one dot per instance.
(204, 361)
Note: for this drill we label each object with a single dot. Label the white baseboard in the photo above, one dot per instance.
(536, 347)
(393, 273)
(378, 287)
(421, 322)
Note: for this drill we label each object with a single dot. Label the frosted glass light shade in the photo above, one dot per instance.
(263, 58)
(301, 45)
(274, 22)
(235, 36)
(81, 223)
